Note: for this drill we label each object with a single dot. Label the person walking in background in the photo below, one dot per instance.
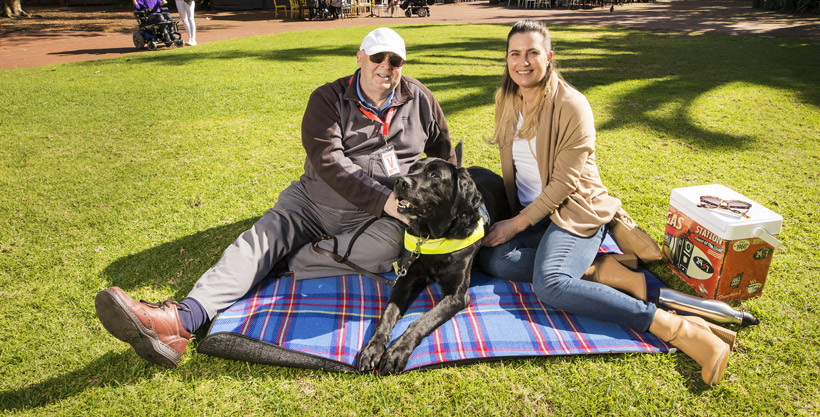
(336, 8)
(185, 8)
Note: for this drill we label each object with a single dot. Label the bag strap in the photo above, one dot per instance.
(343, 259)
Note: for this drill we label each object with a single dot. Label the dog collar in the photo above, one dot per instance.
(442, 245)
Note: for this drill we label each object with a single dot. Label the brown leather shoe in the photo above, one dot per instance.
(152, 329)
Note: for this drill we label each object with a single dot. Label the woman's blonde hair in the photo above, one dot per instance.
(508, 101)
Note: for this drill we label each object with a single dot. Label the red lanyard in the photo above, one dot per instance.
(372, 116)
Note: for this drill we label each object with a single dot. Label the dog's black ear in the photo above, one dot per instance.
(466, 207)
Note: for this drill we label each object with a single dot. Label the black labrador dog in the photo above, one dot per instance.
(444, 205)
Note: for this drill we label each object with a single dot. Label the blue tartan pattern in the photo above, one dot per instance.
(333, 318)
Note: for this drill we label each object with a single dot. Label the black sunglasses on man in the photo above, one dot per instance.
(394, 60)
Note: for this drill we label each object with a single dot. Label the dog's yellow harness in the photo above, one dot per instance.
(442, 245)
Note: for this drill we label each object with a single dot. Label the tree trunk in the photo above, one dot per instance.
(12, 8)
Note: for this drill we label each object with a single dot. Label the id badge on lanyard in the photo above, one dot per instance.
(390, 161)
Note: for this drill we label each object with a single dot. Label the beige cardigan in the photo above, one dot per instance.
(573, 196)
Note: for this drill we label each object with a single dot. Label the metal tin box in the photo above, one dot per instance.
(723, 255)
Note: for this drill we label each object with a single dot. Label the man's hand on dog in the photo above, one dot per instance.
(505, 230)
(391, 207)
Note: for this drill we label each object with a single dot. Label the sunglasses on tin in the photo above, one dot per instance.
(395, 60)
(735, 206)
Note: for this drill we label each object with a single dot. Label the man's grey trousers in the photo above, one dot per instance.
(285, 232)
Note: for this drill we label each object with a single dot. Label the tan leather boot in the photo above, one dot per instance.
(723, 333)
(608, 271)
(692, 336)
(629, 260)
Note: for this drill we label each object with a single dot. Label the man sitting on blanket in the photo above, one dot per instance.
(360, 133)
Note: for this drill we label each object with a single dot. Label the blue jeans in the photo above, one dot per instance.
(554, 260)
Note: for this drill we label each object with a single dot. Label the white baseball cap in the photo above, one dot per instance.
(383, 40)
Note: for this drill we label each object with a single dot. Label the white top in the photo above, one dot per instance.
(527, 177)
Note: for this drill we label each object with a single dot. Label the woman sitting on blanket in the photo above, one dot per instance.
(545, 134)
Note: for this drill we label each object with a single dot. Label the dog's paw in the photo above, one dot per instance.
(394, 359)
(370, 356)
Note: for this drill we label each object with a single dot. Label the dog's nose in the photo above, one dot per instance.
(403, 182)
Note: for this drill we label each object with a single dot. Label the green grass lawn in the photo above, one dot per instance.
(138, 171)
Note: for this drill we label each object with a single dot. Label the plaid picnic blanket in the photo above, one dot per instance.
(323, 323)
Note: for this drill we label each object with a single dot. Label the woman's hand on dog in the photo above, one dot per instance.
(505, 230)
(391, 207)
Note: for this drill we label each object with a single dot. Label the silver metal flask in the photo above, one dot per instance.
(714, 310)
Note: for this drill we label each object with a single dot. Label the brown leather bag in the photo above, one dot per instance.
(632, 239)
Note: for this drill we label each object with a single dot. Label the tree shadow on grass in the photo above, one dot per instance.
(678, 69)
(177, 264)
(110, 369)
(114, 370)
(674, 71)
(117, 370)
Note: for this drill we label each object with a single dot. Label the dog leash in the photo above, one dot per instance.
(343, 259)
(402, 271)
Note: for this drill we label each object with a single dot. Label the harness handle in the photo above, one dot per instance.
(344, 259)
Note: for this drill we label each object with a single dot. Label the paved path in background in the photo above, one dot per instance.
(23, 50)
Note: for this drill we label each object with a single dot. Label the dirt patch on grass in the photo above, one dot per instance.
(72, 19)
